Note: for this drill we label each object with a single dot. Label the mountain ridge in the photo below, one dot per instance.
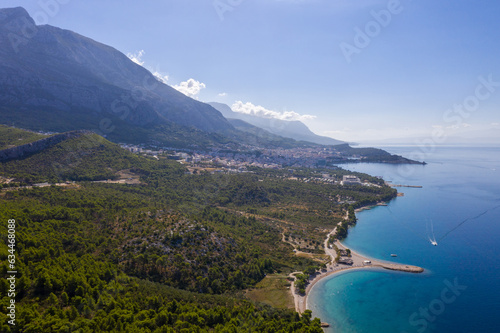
(55, 80)
(294, 129)
(46, 70)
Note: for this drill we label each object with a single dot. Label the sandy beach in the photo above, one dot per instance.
(359, 262)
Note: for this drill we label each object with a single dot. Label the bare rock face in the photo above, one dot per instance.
(73, 77)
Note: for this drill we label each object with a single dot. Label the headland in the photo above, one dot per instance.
(358, 262)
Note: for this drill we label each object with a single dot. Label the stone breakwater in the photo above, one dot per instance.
(39, 145)
(358, 262)
(400, 267)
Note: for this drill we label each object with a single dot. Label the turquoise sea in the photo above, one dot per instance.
(459, 207)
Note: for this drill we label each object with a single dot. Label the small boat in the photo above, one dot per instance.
(393, 255)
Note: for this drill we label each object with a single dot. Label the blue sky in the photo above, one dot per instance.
(356, 70)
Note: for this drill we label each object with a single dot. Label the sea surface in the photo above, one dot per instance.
(459, 207)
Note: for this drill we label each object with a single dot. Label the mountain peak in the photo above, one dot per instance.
(13, 12)
(57, 80)
(17, 20)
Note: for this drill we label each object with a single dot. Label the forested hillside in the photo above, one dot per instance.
(12, 137)
(172, 252)
(78, 248)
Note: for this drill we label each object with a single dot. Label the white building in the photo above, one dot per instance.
(350, 180)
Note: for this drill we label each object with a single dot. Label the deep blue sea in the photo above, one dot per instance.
(459, 207)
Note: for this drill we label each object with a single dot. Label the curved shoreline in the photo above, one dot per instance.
(332, 269)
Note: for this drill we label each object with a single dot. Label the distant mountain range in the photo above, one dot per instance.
(289, 129)
(57, 80)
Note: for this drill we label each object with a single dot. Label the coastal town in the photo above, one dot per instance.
(234, 160)
(223, 162)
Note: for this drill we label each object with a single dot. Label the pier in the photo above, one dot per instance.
(400, 267)
(399, 185)
(359, 261)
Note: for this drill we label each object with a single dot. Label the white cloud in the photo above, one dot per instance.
(223, 94)
(190, 87)
(495, 124)
(260, 111)
(160, 77)
(137, 57)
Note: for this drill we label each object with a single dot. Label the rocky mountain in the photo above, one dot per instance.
(289, 129)
(57, 80)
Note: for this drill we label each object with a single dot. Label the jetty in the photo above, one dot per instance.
(389, 183)
(360, 261)
(399, 185)
(400, 267)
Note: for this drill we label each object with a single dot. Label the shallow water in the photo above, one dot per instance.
(459, 206)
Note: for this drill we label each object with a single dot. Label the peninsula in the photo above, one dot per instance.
(358, 262)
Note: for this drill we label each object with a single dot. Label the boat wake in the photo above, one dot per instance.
(433, 239)
(468, 220)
